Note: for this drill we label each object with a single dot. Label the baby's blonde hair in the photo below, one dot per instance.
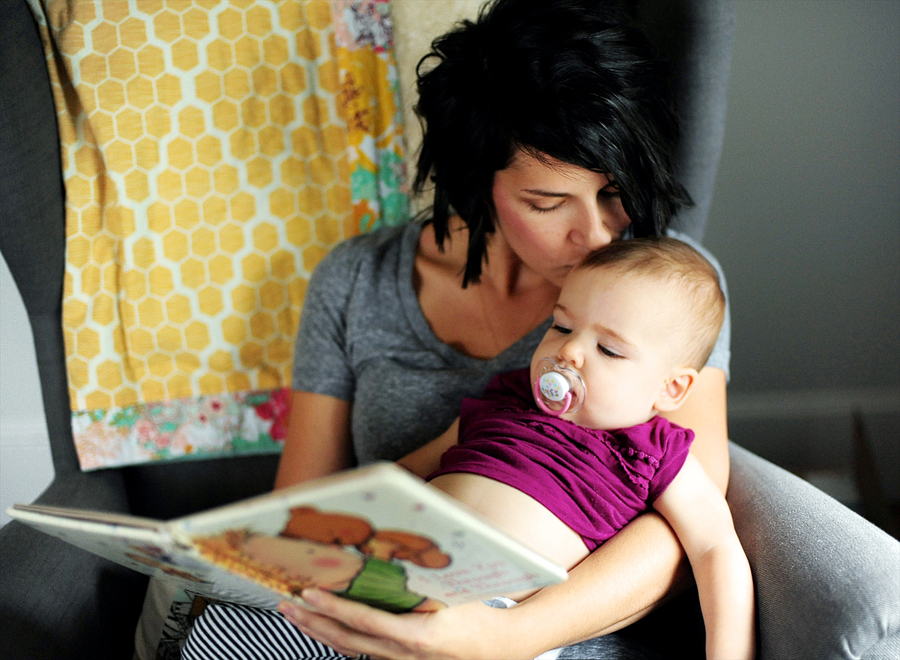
(672, 261)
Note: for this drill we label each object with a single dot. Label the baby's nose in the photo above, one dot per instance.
(571, 353)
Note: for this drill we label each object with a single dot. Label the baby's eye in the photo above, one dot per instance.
(607, 352)
(561, 329)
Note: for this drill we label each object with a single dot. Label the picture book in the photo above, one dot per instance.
(375, 534)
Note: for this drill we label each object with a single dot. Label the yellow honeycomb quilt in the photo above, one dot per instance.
(212, 153)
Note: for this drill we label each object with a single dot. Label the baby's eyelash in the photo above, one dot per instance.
(561, 329)
(607, 352)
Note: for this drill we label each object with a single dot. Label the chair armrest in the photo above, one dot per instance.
(826, 579)
(58, 601)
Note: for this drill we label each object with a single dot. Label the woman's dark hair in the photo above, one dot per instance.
(574, 80)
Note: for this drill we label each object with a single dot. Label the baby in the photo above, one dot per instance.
(566, 453)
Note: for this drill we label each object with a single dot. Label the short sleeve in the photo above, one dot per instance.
(720, 358)
(321, 359)
(676, 443)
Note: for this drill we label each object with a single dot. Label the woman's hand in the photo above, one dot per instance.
(353, 628)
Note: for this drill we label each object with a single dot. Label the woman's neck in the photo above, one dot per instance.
(505, 273)
(501, 270)
(487, 317)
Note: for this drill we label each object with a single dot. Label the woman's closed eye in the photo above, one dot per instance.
(543, 209)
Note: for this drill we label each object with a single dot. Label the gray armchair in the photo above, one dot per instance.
(828, 581)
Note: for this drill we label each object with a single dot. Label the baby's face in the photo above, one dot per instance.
(612, 328)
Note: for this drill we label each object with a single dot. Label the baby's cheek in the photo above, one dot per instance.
(592, 415)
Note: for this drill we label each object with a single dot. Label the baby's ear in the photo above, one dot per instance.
(676, 389)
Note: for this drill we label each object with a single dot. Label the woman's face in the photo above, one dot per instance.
(553, 214)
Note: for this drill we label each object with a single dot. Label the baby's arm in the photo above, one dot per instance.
(699, 514)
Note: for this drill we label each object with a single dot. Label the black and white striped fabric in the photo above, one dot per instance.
(233, 632)
(226, 631)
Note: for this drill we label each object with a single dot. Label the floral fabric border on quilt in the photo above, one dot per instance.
(212, 154)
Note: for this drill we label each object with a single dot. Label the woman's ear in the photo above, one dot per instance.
(676, 389)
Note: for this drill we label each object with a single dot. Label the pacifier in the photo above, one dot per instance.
(558, 389)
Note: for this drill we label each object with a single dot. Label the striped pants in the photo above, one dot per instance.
(233, 632)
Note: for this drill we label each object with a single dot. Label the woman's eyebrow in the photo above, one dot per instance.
(544, 193)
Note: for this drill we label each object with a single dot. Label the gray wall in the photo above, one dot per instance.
(806, 222)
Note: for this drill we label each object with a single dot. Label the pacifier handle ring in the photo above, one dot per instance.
(539, 399)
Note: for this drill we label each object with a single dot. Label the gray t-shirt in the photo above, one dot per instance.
(363, 338)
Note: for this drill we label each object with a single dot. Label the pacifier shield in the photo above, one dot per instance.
(554, 386)
(557, 388)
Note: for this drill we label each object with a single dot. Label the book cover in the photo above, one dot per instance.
(376, 534)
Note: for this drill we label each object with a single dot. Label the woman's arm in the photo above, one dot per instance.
(705, 413)
(427, 458)
(619, 583)
(318, 439)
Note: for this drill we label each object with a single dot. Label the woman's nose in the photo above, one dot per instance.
(590, 231)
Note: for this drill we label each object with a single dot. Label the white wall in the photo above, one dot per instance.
(25, 467)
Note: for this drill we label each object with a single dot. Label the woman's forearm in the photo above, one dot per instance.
(705, 413)
(618, 584)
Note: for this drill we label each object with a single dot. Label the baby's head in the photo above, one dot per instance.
(637, 320)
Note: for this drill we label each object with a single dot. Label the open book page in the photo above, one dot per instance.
(146, 546)
(138, 543)
(376, 534)
(366, 531)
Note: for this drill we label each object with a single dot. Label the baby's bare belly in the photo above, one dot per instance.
(518, 514)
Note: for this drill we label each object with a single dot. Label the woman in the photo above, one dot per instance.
(548, 134)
